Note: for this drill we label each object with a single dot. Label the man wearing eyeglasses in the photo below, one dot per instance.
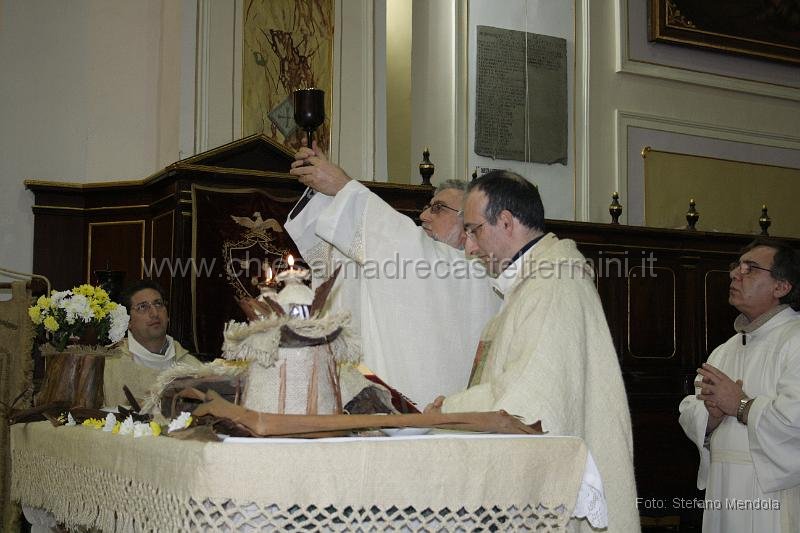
(548, 354)
(441, 218)
(745, 417)
(417, 302)
(147, 350)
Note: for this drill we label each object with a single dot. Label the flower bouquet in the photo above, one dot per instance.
(79, 327)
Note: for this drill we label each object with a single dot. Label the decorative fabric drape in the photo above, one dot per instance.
(233, 232)
(16, 367)
(86, 477)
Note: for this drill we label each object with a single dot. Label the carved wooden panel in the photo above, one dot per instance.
(607, 261)
(118, 245)
(161, 239)
(235, 231)
(59, 244)
(651, 316)
(665, 460)
(719, 315)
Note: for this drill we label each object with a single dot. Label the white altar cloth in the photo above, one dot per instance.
(85, 477)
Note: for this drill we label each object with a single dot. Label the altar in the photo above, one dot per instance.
(444, 481)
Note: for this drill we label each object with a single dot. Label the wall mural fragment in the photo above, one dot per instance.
(288, 45)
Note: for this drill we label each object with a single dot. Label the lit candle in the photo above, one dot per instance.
(295, 297)
(292, 274)
(266, 289)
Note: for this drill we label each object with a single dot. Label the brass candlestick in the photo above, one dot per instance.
(426, 168)
(692, 216)
(615, 209)
(764, 221)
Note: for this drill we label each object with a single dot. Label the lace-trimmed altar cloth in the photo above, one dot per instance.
(116, 483)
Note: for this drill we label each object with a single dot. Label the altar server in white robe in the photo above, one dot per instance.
(745, 418)
(548, 354)
(418, 303)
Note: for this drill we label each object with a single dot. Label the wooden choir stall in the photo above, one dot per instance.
(202, 225)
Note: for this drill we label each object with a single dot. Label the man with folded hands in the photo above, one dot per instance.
(745, 418)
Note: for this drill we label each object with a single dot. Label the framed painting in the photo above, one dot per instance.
(288, 45)
(756, 28)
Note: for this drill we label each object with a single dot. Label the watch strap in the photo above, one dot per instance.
(743, 403)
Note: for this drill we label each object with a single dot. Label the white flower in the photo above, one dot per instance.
(57, 296)
(180, 422)
(119, 324)
(77, 306)
(127, 427)
(111, 421)
(141, 429)
(70, 420)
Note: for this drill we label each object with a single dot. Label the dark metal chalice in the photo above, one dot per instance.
(309, 114)
(309, 110)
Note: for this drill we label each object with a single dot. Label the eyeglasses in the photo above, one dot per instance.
(745, 267)
(436, 208)
(471, 230)
(144, 307)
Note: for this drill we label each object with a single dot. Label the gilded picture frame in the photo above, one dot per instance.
(753, 28)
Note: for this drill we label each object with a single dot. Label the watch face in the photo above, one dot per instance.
(283, 117)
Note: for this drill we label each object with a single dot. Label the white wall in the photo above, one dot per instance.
(217, 114)
(353, 135)
(433, 89)
(89, 91)
(396, 84)
(547, 17)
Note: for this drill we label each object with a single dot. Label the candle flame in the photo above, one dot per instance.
(268, 274)
(290, 260)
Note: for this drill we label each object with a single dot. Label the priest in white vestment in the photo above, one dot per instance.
(745, 418)
(417, 302)
(548, 354)
(147, 351)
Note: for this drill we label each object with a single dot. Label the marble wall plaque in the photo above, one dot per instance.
(521, 98)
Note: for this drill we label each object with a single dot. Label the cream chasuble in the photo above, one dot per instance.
(753, 471)
(418, 304)
(548, 355)
(125, 370)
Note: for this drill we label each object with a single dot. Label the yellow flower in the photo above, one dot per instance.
(155, 428)
(94, 423)
(116, 427)
(84, 290)
(97, 310)
(36, 314)
(44, 302)
(50, 324)
(100, 294)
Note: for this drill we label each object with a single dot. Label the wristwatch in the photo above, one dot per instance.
(743, 403)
